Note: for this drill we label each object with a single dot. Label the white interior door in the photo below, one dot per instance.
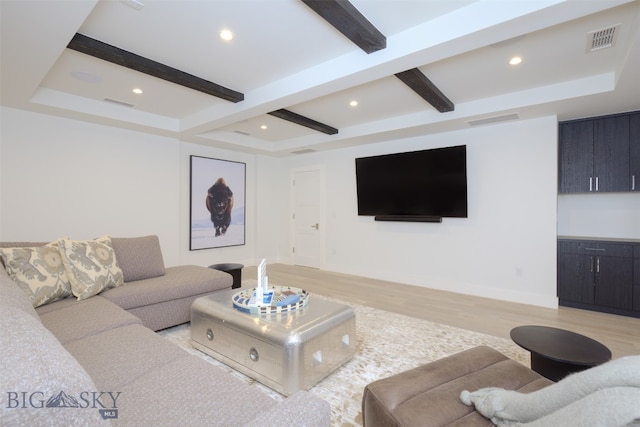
(308, 245)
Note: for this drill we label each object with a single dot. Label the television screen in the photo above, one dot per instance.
(430, 183)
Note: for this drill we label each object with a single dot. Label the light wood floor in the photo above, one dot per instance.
(621, 334)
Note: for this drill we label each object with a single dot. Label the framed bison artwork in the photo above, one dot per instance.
(217, 203)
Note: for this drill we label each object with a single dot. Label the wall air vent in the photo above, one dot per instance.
(122, 103)
(495, 119)
(304, 151)
(603, 38)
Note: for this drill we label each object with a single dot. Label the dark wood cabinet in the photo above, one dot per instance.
(575, 278)
(611, 154)
(614, 282)
(636, 278)
(599, 276)
(576, 156)
(634, 151)
(597, 154)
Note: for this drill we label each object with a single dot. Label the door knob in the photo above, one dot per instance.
(315, 226)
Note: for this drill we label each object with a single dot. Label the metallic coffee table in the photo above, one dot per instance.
(287, 352)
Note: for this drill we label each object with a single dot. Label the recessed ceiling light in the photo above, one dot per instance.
(263, 127)
(226, 35)
(515, 60)
(353, 103)
(137, 91)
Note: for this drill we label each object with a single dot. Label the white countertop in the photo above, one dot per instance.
(601, 239)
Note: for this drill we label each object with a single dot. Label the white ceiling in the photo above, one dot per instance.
(284, 55)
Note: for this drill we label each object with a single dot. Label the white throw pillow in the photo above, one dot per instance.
(91, 265)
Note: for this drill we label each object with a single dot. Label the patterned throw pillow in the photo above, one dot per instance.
(39, 271)
(91, 265)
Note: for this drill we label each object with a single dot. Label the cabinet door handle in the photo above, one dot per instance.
(597, 264)
(590, 183)
(591, 271)
(596, 183)
(633, 183)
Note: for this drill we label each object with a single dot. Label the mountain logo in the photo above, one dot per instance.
(104, 401)
(62, 400)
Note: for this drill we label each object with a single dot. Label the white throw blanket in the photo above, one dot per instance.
(606, 395)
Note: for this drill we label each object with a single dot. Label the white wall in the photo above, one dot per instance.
(505, 249)
(610, 215)
(272, 216)
(63, 177)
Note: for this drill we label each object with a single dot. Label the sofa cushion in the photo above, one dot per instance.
(11, 295)
(111, 357)
(39, 271)
(62, 303)
(91, 265)
(35, 366)
(178, 282)
(199, 392)
(71, 320)
(165, 314)
(139, 257)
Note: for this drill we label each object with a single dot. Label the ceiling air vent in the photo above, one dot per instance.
(137, 5)
(495, 119)
(242, 133)
(115, 101)
(304, 151)
(602, 38)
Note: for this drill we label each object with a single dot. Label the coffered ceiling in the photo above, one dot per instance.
(285, 56)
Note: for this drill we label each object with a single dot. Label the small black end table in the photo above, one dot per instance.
(235, 270)
(556, 353)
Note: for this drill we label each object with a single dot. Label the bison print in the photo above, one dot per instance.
(219, 204)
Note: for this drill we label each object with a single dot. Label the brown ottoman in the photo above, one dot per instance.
(429, 395)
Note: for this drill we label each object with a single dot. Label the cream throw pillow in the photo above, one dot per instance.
(91, 265)
(39, 271)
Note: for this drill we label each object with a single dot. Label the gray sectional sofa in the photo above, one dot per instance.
(97, 361)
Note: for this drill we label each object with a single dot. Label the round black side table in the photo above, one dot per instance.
(235, 270)
(556, 353)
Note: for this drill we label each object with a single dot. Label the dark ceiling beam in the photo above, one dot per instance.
(303, 121)
(107, 52)
(420, 84)
(350, 22)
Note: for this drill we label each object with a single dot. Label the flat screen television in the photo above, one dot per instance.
(417, 185)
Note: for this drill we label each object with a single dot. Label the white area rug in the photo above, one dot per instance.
(387, 343)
